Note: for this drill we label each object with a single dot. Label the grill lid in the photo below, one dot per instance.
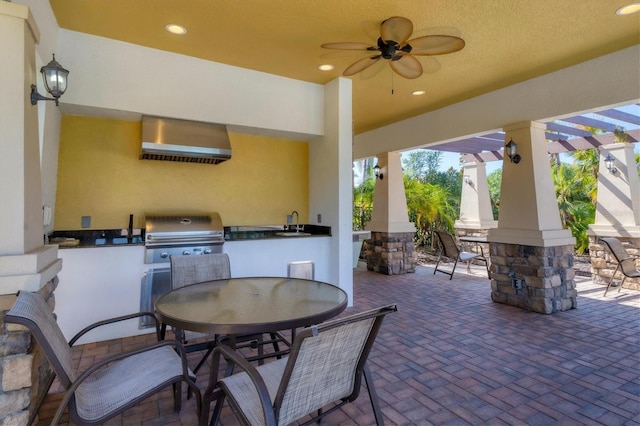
(183, 229)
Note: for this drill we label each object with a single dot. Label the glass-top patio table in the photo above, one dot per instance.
(250, 305)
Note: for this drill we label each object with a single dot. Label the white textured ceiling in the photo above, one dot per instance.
(507, 41)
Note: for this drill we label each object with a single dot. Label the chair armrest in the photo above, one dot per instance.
(89, 371)
(261, 388)
(114, 320)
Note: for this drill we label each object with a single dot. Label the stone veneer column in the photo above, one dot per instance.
(475, 201)
(549, 278)
(531, 255)
(391, 249)
(476, 214)
(391, 253)
(617, 213)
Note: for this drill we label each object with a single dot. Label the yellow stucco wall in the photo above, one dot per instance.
(100, 175)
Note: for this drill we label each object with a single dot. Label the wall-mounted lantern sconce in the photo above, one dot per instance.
(610, 162)
(377, 170)
(55, 81)
(511, 150)
(467, 180)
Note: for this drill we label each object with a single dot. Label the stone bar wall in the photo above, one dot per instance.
(390, 253)
(603, 264)
(548, 274)
(26, 374)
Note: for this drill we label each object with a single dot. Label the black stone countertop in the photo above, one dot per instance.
(237, 233)
(94, 238)
(84, 238)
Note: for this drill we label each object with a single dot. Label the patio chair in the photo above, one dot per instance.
(112, 385)
(626, 262)
(324, 369)
(301, 269)
(187, 270)
(448, 248)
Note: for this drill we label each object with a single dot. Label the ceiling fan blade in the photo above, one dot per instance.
(348, 45)
(407, 66)
(396, 28)
(435, 45)
(360, 65)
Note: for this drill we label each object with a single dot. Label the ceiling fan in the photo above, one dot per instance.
(394, 46)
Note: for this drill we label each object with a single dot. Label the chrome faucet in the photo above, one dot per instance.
(290, 219)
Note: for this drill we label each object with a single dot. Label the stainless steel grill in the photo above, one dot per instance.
(187, 234)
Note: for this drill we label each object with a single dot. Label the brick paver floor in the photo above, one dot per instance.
(450, 356)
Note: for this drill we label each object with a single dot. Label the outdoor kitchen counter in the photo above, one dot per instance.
(84, 238)
(114, 238)
(239, 233)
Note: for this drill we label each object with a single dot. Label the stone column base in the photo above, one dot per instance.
(545, 274)
(390, 253)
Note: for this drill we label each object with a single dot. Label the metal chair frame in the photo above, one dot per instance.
(31, 311)
(626, 262)
(300, 366)
(448, 248)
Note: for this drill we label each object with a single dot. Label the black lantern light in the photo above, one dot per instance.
(610, 162)
(55, 81)
(511, 150)
(377, 170)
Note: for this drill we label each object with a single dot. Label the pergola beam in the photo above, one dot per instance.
(561, 146)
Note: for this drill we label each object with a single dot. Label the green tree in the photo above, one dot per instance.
(494, 181)
(574, 186)
(587, 161)
(429, 208)
(363, 203)
(422, 164)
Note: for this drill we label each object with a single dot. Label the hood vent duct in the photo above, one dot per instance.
(170, 139)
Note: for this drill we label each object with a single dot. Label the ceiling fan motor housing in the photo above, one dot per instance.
(388, 49)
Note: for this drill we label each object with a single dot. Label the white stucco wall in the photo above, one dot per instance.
(113, 75)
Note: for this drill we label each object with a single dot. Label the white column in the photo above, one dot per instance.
(529, 213)
(390, 212)
(25, 263)
(618, 202)
(330, 183)
(475, 202)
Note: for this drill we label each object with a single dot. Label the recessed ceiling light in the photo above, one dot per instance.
(418, 92)
(176, 29)
(325, 67)
(628, 9)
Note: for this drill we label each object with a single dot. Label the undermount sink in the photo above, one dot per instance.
(292, 234)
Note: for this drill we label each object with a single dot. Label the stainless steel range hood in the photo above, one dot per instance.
(170, 139)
